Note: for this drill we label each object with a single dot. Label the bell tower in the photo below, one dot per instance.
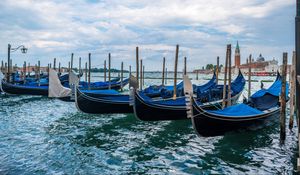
(237, 56)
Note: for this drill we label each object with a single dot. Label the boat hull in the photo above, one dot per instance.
(101, 104)
(23, 90)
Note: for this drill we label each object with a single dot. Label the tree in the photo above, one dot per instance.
(209, 66)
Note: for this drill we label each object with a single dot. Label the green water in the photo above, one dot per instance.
(47, 136)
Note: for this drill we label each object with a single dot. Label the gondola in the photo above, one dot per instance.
(19, 89)
(260, 106)
(102, 103)
(209, 96)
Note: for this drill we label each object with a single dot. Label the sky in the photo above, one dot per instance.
(202, 28)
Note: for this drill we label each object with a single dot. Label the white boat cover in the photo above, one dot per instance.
(73, 79)
(56, 89)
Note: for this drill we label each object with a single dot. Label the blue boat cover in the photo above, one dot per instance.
(238, 84)
(214, 92)
(168, 102)
(168, 92)
(83, 84)
(274, 89)
(211, 83)
(237, 110)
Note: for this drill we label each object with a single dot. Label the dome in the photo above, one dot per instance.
(260, 58)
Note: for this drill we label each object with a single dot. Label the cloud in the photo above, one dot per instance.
(201, 27)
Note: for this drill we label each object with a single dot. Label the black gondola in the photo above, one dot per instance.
(148, 109)
(94, 103)
(261, 105)
(24, 89)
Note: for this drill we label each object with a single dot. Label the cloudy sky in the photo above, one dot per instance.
(202, 28)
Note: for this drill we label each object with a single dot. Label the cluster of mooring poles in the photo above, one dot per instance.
(8, 69)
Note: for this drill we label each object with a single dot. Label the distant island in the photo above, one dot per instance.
(102, 70)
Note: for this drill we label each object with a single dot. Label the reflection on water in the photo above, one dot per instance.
(47, 136)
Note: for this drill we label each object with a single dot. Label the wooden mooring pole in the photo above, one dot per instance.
(24, 72)
(104, 70)
(59, 70)
(54, 64)
(249, 76)
(141, 74)
(79, 66)
(129, 70)
(48, 69)
(283, 99)
(137, 65)
(8, 64)
(39, 72)
(2, 64)
(109, 62)
(163, 72)
(122, 67)
(69, 67)
(85, 72)
(184, 70)
(35, 71)
(6, 69)
(292, 90)
(89, 76)
(166, 79)
(72, 56)
(217, 69)
(229, 75)
(29, 69)
(175, 73)
(225, 81)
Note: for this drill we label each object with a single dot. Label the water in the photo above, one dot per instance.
(47, 136)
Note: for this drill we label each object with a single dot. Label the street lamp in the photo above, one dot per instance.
(23, 50)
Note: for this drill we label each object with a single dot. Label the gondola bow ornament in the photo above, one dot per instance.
(188, 92)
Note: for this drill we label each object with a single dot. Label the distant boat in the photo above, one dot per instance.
(261, 105)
